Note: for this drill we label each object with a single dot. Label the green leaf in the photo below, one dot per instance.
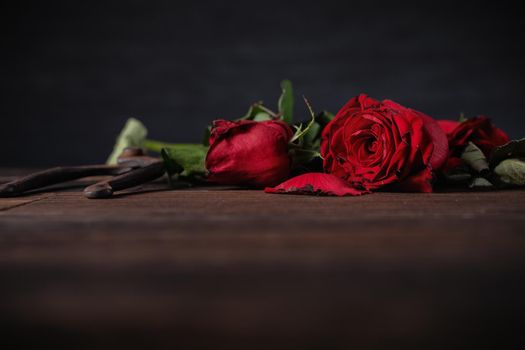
(172, 168)
(250, 113)
(255, 109)
(286, 102)
(301, 156)
(312, 134)
(300, 131)
(262, 116)
(462, 118)
(325, 117)
(480, 182)
(512, 149)
(475, 158)
(316, 145)
(511, 171)
(132, 135)
(312, 139)
(191, 157)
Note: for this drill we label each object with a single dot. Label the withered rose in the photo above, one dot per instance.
(249, 153)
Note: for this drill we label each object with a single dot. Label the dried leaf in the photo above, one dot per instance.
(475, 158)
(132, 135)
(511, 171)
(512, 149)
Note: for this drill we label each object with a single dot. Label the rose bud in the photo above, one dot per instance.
(373, 144)
(478, 130)
(249, 153)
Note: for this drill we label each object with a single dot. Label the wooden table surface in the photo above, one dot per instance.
(216, 268)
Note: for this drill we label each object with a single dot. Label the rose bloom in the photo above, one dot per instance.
(372, 144)
(249, 153)
(478, 130)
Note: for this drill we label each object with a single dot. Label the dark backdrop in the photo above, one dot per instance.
(73, 72)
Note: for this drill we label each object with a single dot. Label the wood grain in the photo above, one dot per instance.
(221, 268)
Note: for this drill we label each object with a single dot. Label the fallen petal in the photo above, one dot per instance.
(318, 184)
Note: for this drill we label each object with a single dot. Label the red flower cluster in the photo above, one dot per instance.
(369, 145)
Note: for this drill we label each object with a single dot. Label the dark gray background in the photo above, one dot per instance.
(73, 72)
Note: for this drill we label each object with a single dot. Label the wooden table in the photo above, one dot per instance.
(216, 268)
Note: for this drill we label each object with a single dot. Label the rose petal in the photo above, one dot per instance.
(439, 139)
(448, 125)
(316, 184)
(221, 127)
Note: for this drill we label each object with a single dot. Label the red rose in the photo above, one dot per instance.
(249, 153)
(478, 130)
(371, 144)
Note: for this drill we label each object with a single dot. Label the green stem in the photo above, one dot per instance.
(157, 146)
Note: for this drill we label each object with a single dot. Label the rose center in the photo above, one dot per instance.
(372, 146)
